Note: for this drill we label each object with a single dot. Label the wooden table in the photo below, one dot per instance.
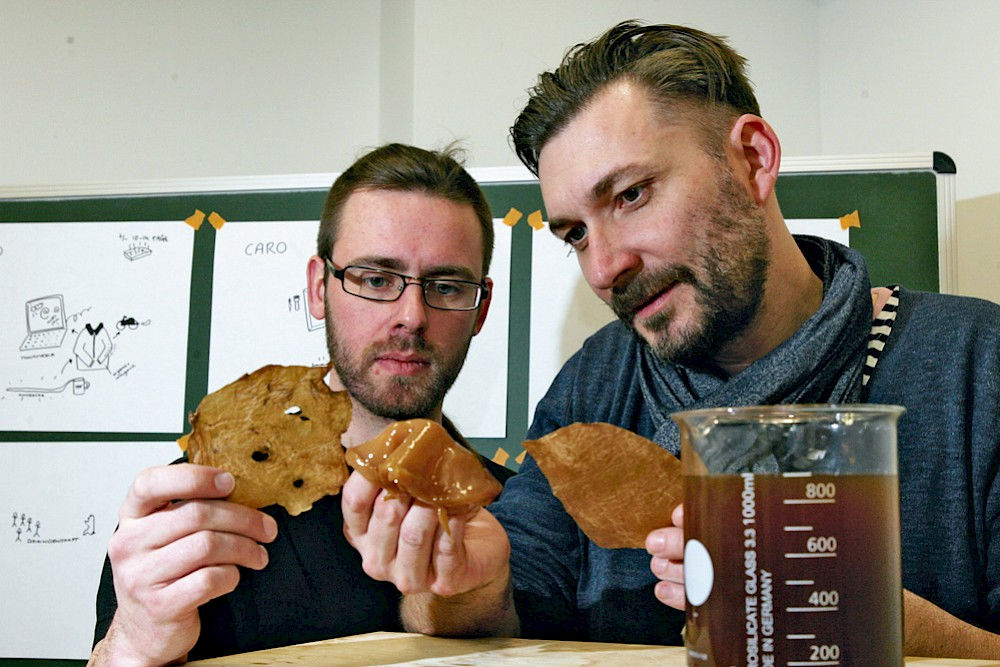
(398, 648)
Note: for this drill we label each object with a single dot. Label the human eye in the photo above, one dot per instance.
(446, 287)
(633, 195)
(574, 236)
(376, 280)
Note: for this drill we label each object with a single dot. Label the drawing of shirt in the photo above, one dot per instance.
(92, 348)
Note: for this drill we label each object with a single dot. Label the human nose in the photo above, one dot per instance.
(411, 309)
(608, 261)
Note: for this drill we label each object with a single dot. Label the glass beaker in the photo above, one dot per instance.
(792, 535)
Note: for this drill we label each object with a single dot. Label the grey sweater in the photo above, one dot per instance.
(942, 362)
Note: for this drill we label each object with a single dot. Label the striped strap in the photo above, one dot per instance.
(881, 328)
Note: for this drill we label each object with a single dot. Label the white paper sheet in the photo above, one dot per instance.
(59, 506)
(259, 310)
(94, 326)
(260, 317)
(827, 228)
(564, 312)
(477, 402)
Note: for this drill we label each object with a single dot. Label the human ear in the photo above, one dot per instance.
(316, 286)
(757, 154)
(484, 307)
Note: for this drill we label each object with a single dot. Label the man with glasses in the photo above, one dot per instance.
(191, 579)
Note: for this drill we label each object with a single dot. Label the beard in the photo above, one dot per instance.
(727, 274)
(395, 397)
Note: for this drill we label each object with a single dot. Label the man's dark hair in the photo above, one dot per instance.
(675, 64)
(408, 169)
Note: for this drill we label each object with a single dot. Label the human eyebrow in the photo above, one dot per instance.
(557, 225)
(606, 184)
(456, 271)
(379, 262)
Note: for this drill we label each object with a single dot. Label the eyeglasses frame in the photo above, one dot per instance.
(481, 294)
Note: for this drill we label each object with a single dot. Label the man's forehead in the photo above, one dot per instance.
(410, 230)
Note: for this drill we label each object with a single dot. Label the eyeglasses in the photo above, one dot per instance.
(382, 285)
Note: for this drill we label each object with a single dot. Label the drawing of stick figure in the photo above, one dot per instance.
(18, 534)
(29, 524)
(14, 525)
(38, 524)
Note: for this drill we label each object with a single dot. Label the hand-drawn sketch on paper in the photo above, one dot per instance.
(260, 312)
(98, 340)
(59, 504)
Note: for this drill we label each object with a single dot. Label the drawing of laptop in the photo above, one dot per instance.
(46, 323)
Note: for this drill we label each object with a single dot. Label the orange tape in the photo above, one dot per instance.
(513, 215)
(850, 220)
(216, 220)
(535, 220)
(195, 219)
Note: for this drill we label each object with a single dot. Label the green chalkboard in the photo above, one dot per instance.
(898, 213)
(899, 204)
(905, 208)
(265, 205)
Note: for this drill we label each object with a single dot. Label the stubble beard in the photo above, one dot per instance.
(730, 270)
(396, 397)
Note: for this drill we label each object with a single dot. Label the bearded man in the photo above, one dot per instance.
(658, 170)
(187, 576)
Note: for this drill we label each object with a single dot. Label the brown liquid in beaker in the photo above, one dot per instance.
(806, 570)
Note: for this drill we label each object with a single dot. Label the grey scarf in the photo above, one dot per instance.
(820, 363)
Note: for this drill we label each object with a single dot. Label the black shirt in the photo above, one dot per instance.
(312, 588)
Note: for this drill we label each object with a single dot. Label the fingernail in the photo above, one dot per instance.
(270, 527)
(264, 557)
(224, 482)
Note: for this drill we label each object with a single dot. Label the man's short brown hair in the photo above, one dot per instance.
(681, 68)
(409, 169)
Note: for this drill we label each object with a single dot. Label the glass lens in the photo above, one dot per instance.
(372, 283)
(450, 294)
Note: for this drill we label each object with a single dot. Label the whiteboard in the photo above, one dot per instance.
(93, 325)
(59, 502)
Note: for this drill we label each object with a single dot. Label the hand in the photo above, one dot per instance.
(177, 546)
(401, 541)
(666, 546)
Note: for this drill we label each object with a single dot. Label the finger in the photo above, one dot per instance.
(666, 543)
(670, 594)
(197, 588)
(191, 516)
(413, 567)
(204, 549)
(378, 553)
(678, 516)
(667, 570)
(450, 565)
(154, 487)
(357, 499)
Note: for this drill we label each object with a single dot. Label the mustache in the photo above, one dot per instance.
(412, 343)
(629, 298)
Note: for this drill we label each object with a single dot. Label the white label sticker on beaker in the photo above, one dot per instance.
(698, 572)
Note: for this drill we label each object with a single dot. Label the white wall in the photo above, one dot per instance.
(109, 90)
(915, 76)
(117, 90)
(474, 61)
